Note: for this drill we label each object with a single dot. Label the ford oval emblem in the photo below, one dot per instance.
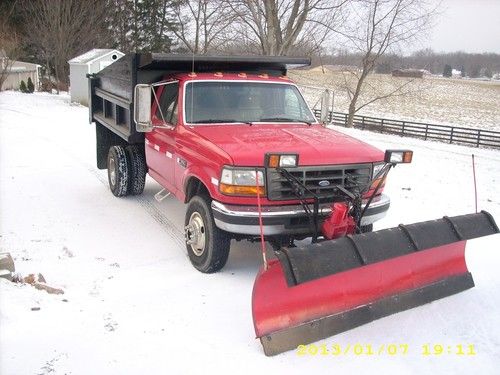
(324, 183)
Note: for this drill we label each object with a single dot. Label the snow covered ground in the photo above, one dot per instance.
(134, 304)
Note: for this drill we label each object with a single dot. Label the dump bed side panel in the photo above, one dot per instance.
(111, 98)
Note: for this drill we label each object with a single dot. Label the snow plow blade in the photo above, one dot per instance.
(310, 293)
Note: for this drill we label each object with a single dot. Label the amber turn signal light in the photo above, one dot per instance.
(241, 190)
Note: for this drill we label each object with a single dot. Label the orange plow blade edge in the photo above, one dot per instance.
(312, 292)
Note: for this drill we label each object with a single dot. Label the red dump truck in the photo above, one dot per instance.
(204, 136)
(234, 139)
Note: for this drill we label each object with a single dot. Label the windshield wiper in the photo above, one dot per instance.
(285, 119)
(217, 121)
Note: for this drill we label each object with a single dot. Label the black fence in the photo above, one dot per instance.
(443, 133)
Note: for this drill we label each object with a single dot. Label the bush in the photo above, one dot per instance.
(22, 87)
(448, 70)
(30, 86)
(47, 85)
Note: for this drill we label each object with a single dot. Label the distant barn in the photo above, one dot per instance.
(408, 73)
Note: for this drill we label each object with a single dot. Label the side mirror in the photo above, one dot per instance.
(142, 108)
(325, 106)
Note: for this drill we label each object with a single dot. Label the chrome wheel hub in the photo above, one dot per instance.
(195, 234)
(112, 171)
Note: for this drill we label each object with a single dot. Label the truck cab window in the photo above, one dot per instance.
(168, 103)
(242, 101)
(292, 107)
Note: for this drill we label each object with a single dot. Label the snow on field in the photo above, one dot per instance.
(434, 100)
(134, 304)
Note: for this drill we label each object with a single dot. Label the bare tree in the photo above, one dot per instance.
(202, 25)
(121, 21)
(377, 27)
(10, 40)
(60, 29)
(280, 26)
(9, 51)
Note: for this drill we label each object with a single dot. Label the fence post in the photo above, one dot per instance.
(363, 123)
(478, 137)
(345, 119)
(426, 131)
(403, 129)
(382, 125)
(451, 134)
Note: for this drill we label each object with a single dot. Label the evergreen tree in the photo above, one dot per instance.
(30, 86)
(22, 87)
(156, 21)
(142, 25)
(462, 71)
(447, 71)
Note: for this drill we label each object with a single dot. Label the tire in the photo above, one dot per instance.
(118, 171)
(210, 249)
(137, 170)
(367, 228)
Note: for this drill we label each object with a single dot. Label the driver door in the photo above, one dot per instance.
(161, 141)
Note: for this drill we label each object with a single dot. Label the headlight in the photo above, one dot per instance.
(288, 160)
(281, 160)
(376, 169)
(241, 181)
(398, 156)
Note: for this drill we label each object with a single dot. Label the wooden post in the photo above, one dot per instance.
(426, 131)
(403, 129)
(451, 134)
(478, 137)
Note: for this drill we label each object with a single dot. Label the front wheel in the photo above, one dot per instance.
(207, 245)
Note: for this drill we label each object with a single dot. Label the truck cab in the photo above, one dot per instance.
(228, 137)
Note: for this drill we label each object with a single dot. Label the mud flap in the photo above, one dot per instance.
(310, 293)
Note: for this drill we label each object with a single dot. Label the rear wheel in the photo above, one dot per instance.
(137, 169)
(118, 171)
(207, 245)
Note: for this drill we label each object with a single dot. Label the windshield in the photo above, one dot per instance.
(218, 102)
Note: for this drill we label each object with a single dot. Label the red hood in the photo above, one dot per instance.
(316, 145)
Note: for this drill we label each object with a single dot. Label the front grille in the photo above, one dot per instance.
(321, 180)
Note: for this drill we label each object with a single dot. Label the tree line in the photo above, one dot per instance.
(471, 65)
(50, 32)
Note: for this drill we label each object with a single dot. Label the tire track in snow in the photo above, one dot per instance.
(166, 224)
(149, 207)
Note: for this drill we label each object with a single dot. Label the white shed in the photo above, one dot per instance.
(90, 62)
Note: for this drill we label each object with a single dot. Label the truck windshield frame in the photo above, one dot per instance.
(222, 102)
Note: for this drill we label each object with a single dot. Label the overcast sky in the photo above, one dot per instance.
(467, 25)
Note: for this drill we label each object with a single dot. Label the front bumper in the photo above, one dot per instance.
(282, 220)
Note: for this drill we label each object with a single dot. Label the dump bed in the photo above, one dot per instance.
(111, 90)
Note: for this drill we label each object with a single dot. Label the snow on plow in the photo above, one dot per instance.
(316, 291)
